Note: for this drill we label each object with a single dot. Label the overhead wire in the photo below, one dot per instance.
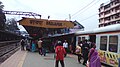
(86, 9)
(22, 5)
(28, 7)
(89, 17)
(83, 8)
(25, 6)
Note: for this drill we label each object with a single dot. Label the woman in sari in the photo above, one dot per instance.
(33, 46)
(94, 59)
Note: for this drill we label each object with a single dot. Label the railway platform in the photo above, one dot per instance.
(33, 59)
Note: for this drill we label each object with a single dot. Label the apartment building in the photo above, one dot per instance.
(109, 13)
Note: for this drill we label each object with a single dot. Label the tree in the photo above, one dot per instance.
(1, 5)
(11, 25)
(2, 17)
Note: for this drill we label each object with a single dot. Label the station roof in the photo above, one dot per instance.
(45, 23)
(37, 26)
(58, 35)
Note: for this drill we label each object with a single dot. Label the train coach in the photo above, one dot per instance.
(107, 41)
(8, 36)
(9, 44)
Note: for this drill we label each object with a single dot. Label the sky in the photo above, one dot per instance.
(84, 11)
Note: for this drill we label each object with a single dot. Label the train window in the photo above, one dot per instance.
(103, 43)
(113, 43)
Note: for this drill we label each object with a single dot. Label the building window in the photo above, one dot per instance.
(117, 9)
(107, 6)
(117, 16)
(117, 1)
(112, 10)
(113, 43)
(107, 12)
(107, 19)
(118, 21)
(111, 3)
(112, 17)
(103, 43)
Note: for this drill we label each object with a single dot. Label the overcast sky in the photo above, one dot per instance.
(59, 10)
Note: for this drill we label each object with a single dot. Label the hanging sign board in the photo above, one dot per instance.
(46, 23)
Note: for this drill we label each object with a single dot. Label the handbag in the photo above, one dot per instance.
(77, 51)
(87, 65)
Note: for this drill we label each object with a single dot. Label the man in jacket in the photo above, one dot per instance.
(60, 52)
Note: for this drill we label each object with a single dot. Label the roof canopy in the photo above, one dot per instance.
(44, 23)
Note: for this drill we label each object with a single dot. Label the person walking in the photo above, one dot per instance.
(85, 51)
(65, 45)
(40, 46)
(78, 52)
(60, 52)
(93, 57)
(22, 42)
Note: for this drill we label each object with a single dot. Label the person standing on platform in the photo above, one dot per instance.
(93, 57)
(40, 46)
(85, 51)
(22, 42)
(78, 51)
(71, 48)
(60, 52)
(28, 46)
(33, 46)
(65, 45)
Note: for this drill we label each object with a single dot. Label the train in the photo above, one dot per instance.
(9, 36)
(9, 44)
(107, 41)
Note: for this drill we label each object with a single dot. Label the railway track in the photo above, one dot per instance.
(8, 48)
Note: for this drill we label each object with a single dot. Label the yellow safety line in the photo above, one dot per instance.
(20, 64)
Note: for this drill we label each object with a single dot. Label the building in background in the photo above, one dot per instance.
(109, 14)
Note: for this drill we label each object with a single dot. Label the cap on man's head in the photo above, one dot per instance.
(59, 42)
